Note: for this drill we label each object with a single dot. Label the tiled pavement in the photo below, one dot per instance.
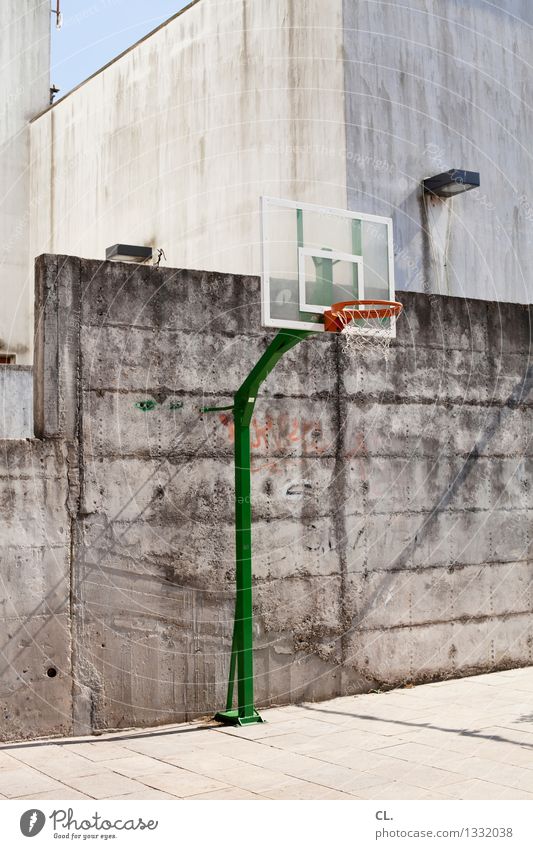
(463, 739)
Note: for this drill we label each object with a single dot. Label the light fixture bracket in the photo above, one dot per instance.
(129, 253)
(451, 183)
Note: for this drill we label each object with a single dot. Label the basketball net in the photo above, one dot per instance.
(362, 334)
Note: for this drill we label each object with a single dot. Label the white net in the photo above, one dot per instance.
(360, 334)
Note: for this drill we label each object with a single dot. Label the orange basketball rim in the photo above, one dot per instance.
(341, 314)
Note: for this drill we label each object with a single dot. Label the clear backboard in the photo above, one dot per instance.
(313, 257)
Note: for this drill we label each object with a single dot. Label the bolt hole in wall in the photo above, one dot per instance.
(51, 672)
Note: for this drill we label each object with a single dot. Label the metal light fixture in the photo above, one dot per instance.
(451, 183)
(128, 253)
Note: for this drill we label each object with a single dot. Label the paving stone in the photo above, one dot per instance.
(504, 753)
(417, 753)
(160, 746)
(306, 790)
(102, 750)
(310, 727)
(22, 780)
(182, 783)
(296, 742)
(295, 764)
(444, 741)
(230, 793)
(56, 761)
(66, 794)
(509, 775)
(356, 759)
(104, 785)
(251, 753)
(476, 789)
(397, 790)
(7, 761)
(138, 765)
(359, 739)
(257, 779)
(207, 763)
(147, 793)
(283, 714)
(420, 775)
(262, 731)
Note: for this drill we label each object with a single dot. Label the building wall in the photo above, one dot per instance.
(432, 86)
(16, 402)
(340, 103)
(26, 91)
(173, 144)
(391, 502)
(35, 636)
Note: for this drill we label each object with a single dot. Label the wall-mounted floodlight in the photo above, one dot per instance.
(128, 253)
(451, 183)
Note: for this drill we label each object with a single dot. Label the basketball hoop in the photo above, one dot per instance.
(363, 324)
(309, 253)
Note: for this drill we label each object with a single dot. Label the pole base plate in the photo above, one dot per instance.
(231, 717)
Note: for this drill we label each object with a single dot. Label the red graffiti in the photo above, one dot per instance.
(281, 434)
(260, 433)
(227, 421)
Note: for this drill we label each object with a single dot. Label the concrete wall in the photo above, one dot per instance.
(172, 144)
(25, 54)
(391, 502)
(432, 86)
(35, 622)
(16, 402)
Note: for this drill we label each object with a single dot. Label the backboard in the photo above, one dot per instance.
(314, 256)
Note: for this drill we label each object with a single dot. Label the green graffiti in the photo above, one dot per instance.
(146, 406)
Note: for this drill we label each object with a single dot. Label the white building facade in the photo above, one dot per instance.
(26, 91)
(342, 103)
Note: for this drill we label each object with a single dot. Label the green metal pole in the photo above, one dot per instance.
(243, 565)
(242, 647)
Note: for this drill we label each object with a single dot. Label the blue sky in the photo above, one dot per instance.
(94, 31)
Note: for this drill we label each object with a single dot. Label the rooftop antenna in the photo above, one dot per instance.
(59, 16)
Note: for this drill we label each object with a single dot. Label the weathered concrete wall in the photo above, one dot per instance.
(35, 622)
(392, 504)
(25, 40)
(16, 402)
(432, 86)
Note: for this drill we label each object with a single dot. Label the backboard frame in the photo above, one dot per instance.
(318, 327)
(356, 259)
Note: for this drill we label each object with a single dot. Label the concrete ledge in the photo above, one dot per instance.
(16, 402)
